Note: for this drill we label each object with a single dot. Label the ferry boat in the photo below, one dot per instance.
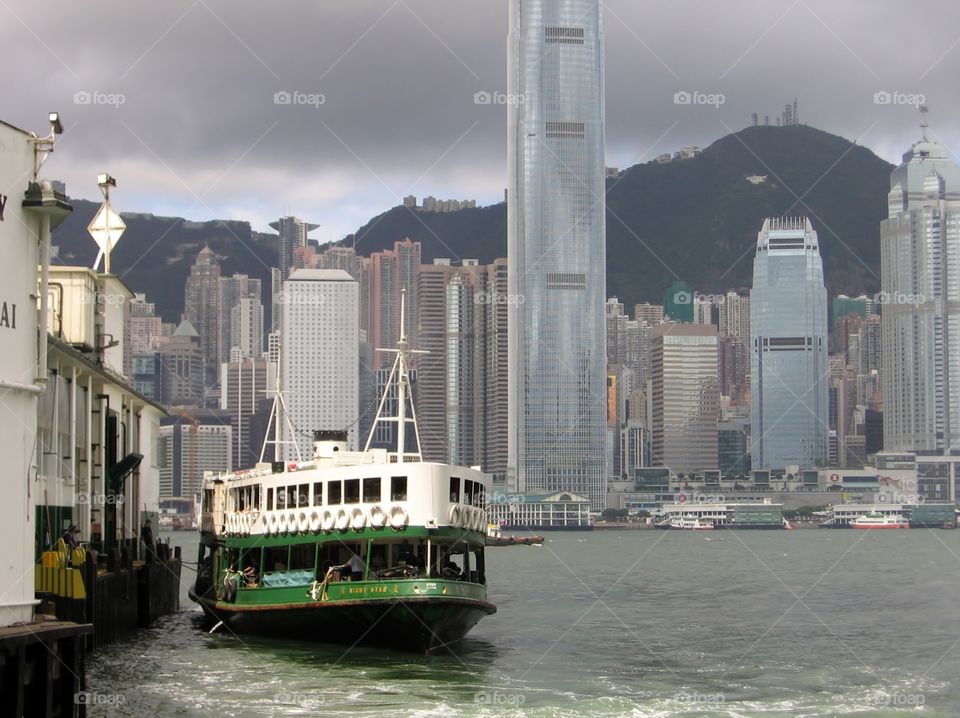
(371, 546)
(689, 524)
(879, 521)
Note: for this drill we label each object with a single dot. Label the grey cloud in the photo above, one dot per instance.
(398, 81)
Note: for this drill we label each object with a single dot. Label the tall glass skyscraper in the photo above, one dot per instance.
(788, 345)
(556, 249)
(920, 297)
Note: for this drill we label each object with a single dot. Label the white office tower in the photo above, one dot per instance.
(920, 314)
(788, 347)
(556, 250)
(319, 356)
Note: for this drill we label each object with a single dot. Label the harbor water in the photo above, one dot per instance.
(631, 623)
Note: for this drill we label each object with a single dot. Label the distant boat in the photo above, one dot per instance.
(686, 524)
(879, 521)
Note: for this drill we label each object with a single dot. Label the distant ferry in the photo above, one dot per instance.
(689, 524)
(352, 546)
(879, 521)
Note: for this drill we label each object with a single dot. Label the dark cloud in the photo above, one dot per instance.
(181, 95)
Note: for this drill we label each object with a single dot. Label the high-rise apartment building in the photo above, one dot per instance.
(556, 248)
(291, 233)
(189, 445)
(201, 307)
(182, 368)
(319, 356)
(788, 325)
(685, 397)
(243, 387)
(920, 282)
(244, 329)
(462, 383)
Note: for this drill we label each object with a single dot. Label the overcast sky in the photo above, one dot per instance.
(177, 99)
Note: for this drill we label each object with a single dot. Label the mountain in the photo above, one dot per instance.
(695, 220)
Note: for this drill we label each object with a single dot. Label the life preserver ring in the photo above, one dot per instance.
(303, 522)
(358, 519)
(315, 522)
(282, 523)
(398, 517)
(292, 522)
(327, 522)
(342, 520)
(274, 528)
(377, 517)
(453, 516)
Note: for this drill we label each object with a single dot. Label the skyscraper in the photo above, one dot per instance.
(556, 248)
(319, 355)
(181, 357)
(243, 387)
(788, 347)
(686, 397)
(292, 233)
(920, 279)
(201, 307)
(249, 333)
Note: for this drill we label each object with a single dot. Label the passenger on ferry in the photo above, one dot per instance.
(355, 566)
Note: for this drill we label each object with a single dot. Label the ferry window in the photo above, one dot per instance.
(455, 489)
(291, 497)
(398, 488)
(351, 491)
(275, 558)
(208, 500)
(304, 498)
(318, 493)
(468, 492)
(256, 497)
(371, 489)
(270, 499)
(335, 492)
(302, 556)
(281, 497)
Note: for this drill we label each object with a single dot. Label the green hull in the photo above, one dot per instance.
(417, 614)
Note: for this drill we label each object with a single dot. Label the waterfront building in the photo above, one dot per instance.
(561, 510)
(788, 326)
(201, 307)
(27, 207)
(320, 356)
(291, 233)
(556, 249)
(685, 397)
(920, 273)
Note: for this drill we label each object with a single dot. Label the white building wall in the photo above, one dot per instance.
(18, 366)
(319, 356)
